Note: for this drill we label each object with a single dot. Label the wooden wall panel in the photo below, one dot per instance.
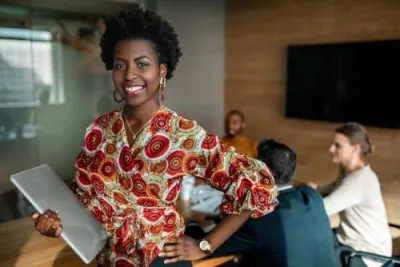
(257, 34)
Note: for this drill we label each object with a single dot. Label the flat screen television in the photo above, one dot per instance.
(344, 82)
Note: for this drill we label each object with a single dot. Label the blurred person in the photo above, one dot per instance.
(296, 234)
(235, 122)
(356, 195)
(130, 169)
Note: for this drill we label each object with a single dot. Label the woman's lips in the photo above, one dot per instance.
(133, 90)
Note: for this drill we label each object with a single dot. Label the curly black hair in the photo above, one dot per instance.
(137, 23)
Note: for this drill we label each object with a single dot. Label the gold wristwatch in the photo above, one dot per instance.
(205, 246)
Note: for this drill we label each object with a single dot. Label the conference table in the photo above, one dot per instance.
(22, 246)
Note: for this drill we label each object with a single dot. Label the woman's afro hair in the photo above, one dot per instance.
(137, 23)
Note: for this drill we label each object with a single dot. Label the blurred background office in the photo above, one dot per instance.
(295, 69)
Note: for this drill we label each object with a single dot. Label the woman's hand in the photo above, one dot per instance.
(48, 223)
(185, 249)
(313, 185)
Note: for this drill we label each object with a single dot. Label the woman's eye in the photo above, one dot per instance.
(142, 64)
(118, 66)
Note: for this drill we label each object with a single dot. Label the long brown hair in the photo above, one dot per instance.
(357, 135)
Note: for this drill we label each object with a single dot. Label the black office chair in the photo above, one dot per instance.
(386, 261)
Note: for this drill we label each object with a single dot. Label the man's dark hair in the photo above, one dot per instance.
(279, 158)
(235, 112)
(137, 23)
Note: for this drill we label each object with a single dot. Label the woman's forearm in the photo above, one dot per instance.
(227, 226)
(327, 189)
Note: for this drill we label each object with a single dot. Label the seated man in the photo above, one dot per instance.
(296, 234)
(235, 123)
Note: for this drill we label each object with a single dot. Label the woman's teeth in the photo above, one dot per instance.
(133, 89)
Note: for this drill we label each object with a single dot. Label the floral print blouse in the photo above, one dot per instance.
(132, 191)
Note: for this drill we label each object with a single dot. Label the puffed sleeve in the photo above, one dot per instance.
(246, 182)
(89, 158)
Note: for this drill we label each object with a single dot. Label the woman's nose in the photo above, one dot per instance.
(130, 73)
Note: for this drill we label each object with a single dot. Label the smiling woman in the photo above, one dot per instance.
(130, 169)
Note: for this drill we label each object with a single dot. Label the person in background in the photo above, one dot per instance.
(296, 234)
(356, 195)
(299, 225)
(130, 169)
(235, 123)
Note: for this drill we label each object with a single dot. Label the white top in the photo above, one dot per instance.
(358, 199)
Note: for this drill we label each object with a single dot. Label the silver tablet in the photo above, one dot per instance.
(45, 190)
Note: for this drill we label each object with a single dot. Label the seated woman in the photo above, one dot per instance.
(130, 169)
(356, 195)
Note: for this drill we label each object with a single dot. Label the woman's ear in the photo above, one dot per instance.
(163, 70)
(356, 149)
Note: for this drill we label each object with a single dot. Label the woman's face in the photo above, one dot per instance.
(341, 150)
(136, 72)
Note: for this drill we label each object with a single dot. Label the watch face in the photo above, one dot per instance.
(204, 245)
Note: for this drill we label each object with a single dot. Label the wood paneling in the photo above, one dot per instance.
(257, 34)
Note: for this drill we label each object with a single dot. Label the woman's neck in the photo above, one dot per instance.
(352, 166)
(141, 114)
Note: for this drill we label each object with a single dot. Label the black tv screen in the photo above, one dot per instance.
(345, 82)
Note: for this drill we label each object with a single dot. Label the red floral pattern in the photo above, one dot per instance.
(139, 186)
(210, 142)
(84, 160)
(188, 144)
(161, 122)
(244, 187)
(220, 179)
(133, 191)
(152, 215)
(159, 167)
(117, 126)
(98, 158)
(104, 120)
(186, 124)
(120, 198)
(83, 178)
(190, 163)
(93, 139)
(153, 190)
(125, 159)
(107, 170)
(110, 149)
(175, 162)
(158, 147)
(125, 182)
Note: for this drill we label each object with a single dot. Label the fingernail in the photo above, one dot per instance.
(161, 254)
(56, 211)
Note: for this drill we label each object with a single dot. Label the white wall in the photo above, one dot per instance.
(197, 88)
